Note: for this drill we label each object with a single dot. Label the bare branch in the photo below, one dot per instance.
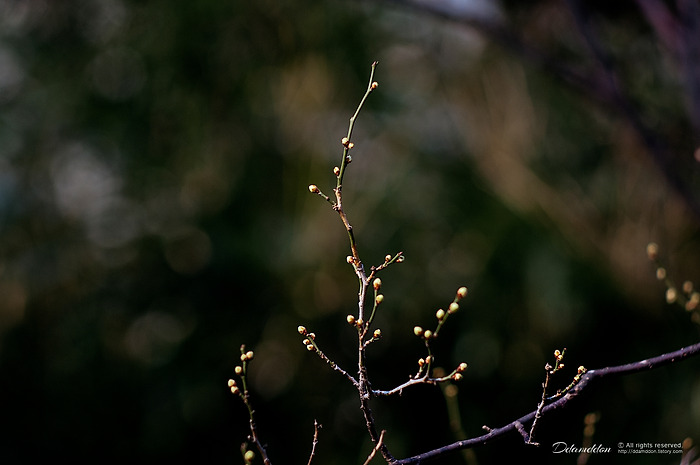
(376, 448)
(498, 433)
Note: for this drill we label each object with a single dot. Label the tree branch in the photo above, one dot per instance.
(586, 379)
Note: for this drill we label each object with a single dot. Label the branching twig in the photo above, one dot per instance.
(376, 448)
(591, 375)
(315, 442)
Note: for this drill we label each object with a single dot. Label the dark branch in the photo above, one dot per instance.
(515, 426)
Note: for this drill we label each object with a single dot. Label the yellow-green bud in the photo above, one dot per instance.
(249, 355)
(379, 299)
(235, 390)
(377, 333)
(238, 369)
(231, 383)
(418, 331)
(336, 170)
(350, 319)
(457, 376)
(377, 284)
(387, 258)
(374, 85)
(345, 141)
(249, 456)
(462, 366)
(428, 334)
(313, 188)
(440, 314)
(454, 306)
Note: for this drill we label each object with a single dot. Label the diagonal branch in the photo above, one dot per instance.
(586, 379)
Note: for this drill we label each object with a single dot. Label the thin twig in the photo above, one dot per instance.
(315, 442)
(376, 448)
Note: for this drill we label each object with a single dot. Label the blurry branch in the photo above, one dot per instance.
(680, 34)
(601, 84)
(585, 380)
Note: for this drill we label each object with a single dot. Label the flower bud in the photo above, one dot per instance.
(428, 334)
(313, 188)
(652, 251)
(462, 292)
(387, 258)
(336, 170)
(302, 330)
(235, 390)
(249, 456)
(374, 85)
(440, 314)
(231, 383)
(350, 259)
(454, 306)
(350, 319)
(462, 366)
(688, 287)
(249, 355)
(377, 333)
(377, 284)
(671, 295)
(418, 331)
(238, 369)
(379, 299)
(310, 347)
(345, 141)
(457, 376)
(661, 273)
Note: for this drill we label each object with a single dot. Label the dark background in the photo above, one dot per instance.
(154, 216)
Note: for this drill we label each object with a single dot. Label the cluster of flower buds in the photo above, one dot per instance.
(689, 298)
(425, 334)
(346, 143)
(247, 356)
(233, 386)
(457, 375)
(558, 357)
(309, 338)
(377, 284)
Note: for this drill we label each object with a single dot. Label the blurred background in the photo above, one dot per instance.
(154, 216)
